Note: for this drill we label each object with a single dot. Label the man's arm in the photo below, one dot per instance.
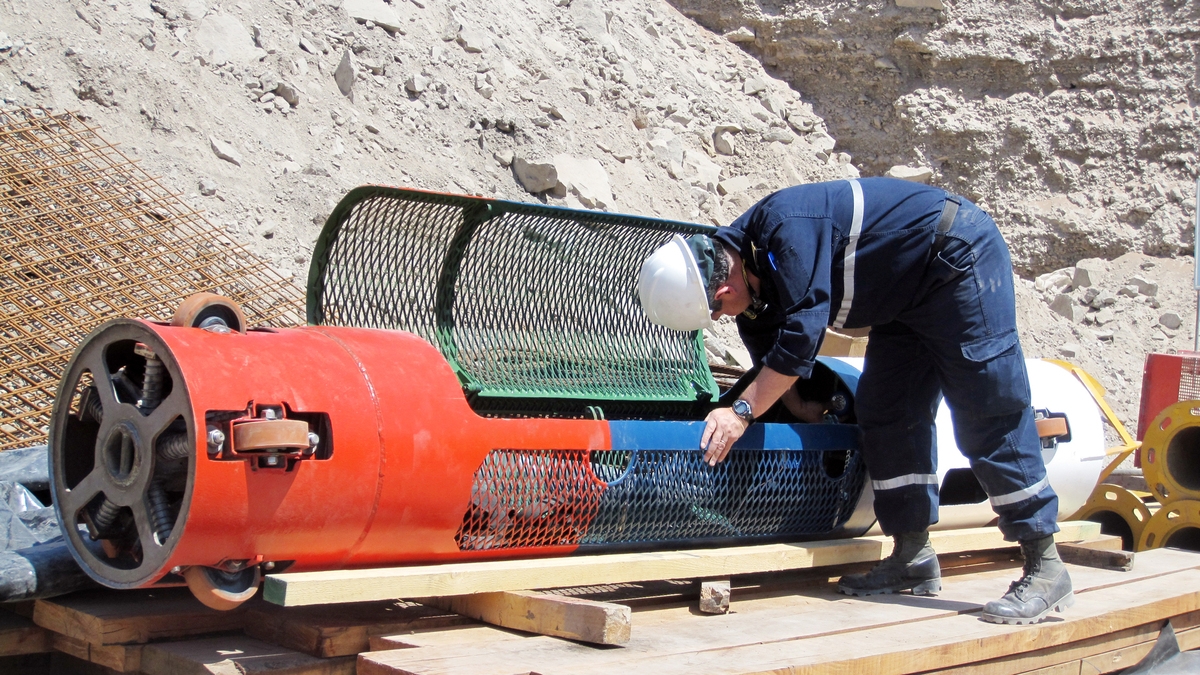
(722, 428)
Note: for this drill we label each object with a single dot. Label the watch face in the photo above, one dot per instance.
(741, 408)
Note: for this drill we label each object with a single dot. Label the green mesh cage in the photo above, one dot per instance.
(526, 302)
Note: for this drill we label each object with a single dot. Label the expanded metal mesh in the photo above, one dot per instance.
(1189, 379)
(611, 498)
(85, 236)
(523, 300)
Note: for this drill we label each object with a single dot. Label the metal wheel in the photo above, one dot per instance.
(1119, 512)
(202, 310)
(222, 590)
(122, 442)
(1170, 453)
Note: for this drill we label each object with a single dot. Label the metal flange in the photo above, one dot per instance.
(1170, 453)
(1119, 512)
(1176, 525)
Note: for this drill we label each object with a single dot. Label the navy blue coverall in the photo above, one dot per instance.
(856, 253)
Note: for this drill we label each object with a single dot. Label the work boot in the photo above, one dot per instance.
(1045, 586)
(912, 566)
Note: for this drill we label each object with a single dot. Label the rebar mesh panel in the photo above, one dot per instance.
(85, 236)
(523, 300)
(634, 497)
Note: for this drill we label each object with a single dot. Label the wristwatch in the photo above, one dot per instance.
(741, 408)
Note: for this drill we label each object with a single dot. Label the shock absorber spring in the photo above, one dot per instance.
(160, 512)
(152, 381)
(92, 407)
(105, 516)
(174, 446)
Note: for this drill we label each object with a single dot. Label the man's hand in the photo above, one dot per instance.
(722, 428)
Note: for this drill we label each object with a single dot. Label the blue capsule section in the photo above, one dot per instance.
(779, 480)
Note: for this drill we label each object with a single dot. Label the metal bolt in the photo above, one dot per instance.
(272, 460)
(216, 439)
(268, 566)
(268, 413)
(313, 439)
(177, 570)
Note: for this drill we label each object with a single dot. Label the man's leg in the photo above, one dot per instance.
(896, 402)
(969, 324)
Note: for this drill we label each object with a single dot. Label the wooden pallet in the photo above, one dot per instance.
(167, 631)
(1116, 619)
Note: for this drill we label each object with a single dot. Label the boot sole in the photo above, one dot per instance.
(928, 587)
(1060, 606)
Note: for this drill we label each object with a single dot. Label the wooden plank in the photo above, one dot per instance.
(1105, 542)
(458, 635)
(314, 588)
(1081, 555)
(602, 623)
(795, 624)
(341, 630)
(1119, 659)
(236, 655)
(120, 658)
(125, 617)
(1076, 652)
(19, 635)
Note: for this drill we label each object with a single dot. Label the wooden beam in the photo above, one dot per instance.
(341, 630)
(19, 635)
(121, 658)
(127, 617)
(1110, 560)
(458, 635)
(603, 623)
(316, 588)
(236, 655)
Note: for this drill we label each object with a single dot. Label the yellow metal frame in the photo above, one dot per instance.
(1130, 444)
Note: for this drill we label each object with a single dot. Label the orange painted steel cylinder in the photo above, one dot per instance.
(389, 483)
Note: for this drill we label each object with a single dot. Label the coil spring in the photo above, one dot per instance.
(160, 512)
(92, 406)
(106, 515)
(152, 383)
(174, 446)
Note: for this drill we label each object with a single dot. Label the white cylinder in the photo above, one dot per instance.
(1073, 466)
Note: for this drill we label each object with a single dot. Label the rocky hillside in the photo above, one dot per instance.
(1073, 122)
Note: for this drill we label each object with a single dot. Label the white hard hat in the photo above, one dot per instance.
(671, 288)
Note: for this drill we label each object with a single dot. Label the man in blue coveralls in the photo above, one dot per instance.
(931, 275)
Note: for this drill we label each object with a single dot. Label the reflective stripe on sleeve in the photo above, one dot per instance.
(848, 260)
(1021, 495)
(901, 481)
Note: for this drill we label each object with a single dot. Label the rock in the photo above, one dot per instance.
(1064, 306)
(417, 84)
(288, 92)
(1058, 281)
(740, 36)
(316, 169)
(775, 105)
(723, 141)
(194, 10)
(535, 177)
(1129, 291)
(375, 11)
(821, 141)
(472, 41)
(1068, 350)
(732, 185)
(1104, 316)
(1170, 320)
(224, 151)
(667, 147)
(207, 187)
(922, 4)
(753, 85)
(1144, 285)
(1089, 272)
(1103, 299)
(345, 74)
(778, 135)
(224, 39)
(584, 178)
(504, 157)
(700, 171)
(1105, 335)
(916, 174)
